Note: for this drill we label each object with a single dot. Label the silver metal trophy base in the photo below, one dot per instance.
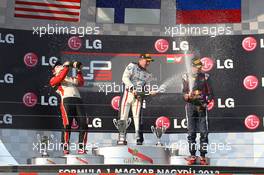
(180, 160)
(135, 155)
(84, 159)
(46, 161)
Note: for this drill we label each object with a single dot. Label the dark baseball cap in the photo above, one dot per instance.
(146, 57)
(196, 62)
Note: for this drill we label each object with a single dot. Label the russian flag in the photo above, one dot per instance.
(208, 11)
(128, 11)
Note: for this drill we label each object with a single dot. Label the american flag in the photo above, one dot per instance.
(64, 10)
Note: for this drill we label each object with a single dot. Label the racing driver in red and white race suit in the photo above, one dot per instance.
(71, 106)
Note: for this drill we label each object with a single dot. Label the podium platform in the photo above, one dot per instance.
(128, 154)
(119, 155)
(46, 161)
(84, 159)
(71, 159)
(180, 160)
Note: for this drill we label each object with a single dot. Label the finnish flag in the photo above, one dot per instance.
(128, 11)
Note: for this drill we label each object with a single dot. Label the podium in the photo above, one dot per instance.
(120, 154)
(126, 154)
(84, 159)
(180, 160)
(46, 161)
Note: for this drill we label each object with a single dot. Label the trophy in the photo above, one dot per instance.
(44, 143)
(158, 132)
(121, 126)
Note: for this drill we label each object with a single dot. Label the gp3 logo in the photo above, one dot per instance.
(99, 70)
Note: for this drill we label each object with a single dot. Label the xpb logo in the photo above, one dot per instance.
(252, 122)
(162, 45)
(31, 59)
(250, 82)
(75, 43)
(30, 99)
(249, 44)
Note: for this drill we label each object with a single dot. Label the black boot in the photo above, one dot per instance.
(140, 138)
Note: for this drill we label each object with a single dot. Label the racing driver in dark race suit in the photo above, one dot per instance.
(71, 103)
(197, 93)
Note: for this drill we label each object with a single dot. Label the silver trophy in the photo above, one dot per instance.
(121, 126)
(158, 132)
(44, 142)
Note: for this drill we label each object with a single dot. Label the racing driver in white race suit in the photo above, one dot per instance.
(135, 78)
(71, 103)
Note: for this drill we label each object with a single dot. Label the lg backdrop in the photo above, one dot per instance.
(235, 65)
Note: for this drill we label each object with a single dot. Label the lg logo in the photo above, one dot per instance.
(8, 38)
(162, 45)
(75, 43)
(180, 124)
(163, 122)
(227, 103)
(96, 44)
(183, 45)
(250, 43)
(210, 105)
(95, 123)
(115, 103)
(225, 64)
(208, 64)
(30, 99)
(250, 82)
(48, 61)
(50, 101)
(7, 119)
(31, 60)
(8, 79)
(252, 122)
